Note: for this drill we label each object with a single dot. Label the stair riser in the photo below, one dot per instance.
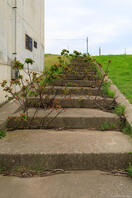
(80, 73)
(75, 103)
(81, 64)
(64, 123)
(75, 161)
(74, 83)
(60, 91)
(82, 70)
(81, 77)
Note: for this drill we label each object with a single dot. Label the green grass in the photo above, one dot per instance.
(127, 129)
(129, 170)
(120, 110)
(50, 59)
(2, 134)
(107, 126)
(120, 72)
(106, 91)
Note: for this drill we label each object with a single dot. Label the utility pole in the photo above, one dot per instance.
(99, 51)
(87, 45)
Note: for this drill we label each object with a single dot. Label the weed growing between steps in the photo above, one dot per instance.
(129, 170)
(120, 110)
(124, 126)
(106, 91)
(108, 126)
(2, 134)
(126, 129)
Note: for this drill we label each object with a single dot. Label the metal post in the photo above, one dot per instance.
(99, 51)
(15, 28)
(14, 73)
(87, 45)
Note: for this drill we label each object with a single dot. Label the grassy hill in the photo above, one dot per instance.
(50, 59)
(120, 70)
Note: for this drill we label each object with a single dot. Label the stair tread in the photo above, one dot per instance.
(77, 83)
(73, 113)
(65, 142)
(83, 97)
(71, 87)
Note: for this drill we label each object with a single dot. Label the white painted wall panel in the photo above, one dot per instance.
(29, 20)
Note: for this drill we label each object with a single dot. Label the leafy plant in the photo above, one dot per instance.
(33, 86)
(127, 129)
(129, 170)
(2, 134)
(70, 84)
(107, 126)
(104, 126)
(106, 91)
(120, 110)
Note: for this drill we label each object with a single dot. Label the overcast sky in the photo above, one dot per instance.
(107, 23)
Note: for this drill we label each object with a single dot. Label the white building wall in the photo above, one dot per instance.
(30, 21)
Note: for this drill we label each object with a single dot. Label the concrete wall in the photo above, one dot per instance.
(29, 20)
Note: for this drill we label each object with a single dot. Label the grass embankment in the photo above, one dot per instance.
(50, 59)
(120, 72)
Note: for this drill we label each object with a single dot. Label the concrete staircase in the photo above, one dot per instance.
(76, 141)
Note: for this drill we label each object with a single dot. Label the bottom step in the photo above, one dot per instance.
(69, 150)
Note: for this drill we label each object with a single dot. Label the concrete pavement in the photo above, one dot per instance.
(80, 184)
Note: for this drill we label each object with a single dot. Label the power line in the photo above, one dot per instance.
(66, 39)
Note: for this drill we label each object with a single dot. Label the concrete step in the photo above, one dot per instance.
(60, 90)
(68, 150)
(90, 67)
(71, 118)
(84, 76)
(76, 83)
(82, 69)
(82, 64)
(74, 102)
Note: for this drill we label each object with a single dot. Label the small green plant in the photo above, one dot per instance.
(127, 129)
(104, 126)
(70, 84)
(112, 125)
(120, 110)
(107, 126)
(106, 91)
(129, 170)
(2, 134)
